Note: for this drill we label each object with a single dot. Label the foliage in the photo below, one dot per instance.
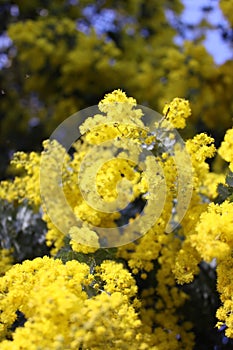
(61, 59)
(22, 231)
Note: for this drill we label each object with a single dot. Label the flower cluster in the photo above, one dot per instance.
(78, 299)
(177, 111)
(53, 300)
(226, 149)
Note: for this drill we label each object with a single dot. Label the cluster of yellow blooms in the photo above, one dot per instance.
(61, 314)
(143, 48)
(77, 306)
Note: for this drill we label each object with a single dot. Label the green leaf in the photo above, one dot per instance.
(223, 193)
(23, 230)
(229, 179)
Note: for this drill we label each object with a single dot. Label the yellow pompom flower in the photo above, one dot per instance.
(177, 111)
(117, 96)
(226, 148)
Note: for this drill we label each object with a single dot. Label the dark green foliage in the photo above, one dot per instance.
(225, 191)
(23, 231)
(66, 254)
(201, 309)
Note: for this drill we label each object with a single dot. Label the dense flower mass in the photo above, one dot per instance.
(177, 111)
(89, 296)
(64, 309)
(226, 149)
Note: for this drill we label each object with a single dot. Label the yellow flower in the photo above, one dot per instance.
(226, 148)
(117, 96)
(214, 237)
(177, 111)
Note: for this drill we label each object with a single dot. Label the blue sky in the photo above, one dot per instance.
(213, 43)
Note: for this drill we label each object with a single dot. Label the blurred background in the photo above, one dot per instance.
(57, 57)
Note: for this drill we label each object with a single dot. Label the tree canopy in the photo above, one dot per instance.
(65, 55)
